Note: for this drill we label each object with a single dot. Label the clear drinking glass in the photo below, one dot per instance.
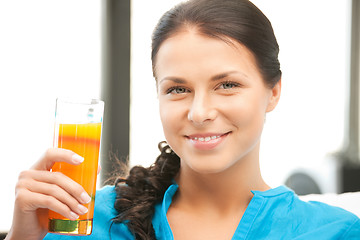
(78, 127)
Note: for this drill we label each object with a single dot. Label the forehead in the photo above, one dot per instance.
(191, 52)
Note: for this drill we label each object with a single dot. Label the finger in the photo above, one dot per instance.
(53, 155)
(54, 191)
(31, 201)
(59, 179)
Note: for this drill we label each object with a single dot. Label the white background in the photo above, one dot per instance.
(48, 48)
(52, 48)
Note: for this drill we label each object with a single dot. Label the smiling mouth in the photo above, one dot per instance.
(206, 138)
(205, 142)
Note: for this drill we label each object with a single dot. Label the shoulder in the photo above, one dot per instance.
(284, 199)
(103, 226)
(104, 213)
(105, 199)
(321, 211)
(324, 221)
(294, 217)
(104, 209)
(328, 220)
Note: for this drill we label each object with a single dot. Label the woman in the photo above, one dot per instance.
(217, 72)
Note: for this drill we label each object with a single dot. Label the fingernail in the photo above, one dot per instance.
(85, 198)
(74, 216)
(82, 209)
(77, 159)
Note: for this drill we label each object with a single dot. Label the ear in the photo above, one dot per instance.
(274, 96)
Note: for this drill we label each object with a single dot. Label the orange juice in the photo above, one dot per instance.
(83, 139)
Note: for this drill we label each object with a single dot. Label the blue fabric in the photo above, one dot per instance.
(274, 214)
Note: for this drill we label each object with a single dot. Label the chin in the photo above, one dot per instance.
(207, 168)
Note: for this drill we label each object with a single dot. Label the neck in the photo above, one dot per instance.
(226, 190)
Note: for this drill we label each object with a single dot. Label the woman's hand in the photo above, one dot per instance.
(39, 190)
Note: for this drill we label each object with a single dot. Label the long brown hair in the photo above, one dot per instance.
(142, 189)
(239, 20)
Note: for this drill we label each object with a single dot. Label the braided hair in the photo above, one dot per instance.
(142, 189)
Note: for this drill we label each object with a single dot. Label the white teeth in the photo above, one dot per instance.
(206, 139)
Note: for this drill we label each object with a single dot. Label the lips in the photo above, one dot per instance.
(207, 141)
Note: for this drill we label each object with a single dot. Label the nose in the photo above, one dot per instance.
(202, 110)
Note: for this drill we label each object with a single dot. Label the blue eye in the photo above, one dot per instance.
(176, 90)
(228, 85)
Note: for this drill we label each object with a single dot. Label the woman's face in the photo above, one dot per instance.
(212, 101)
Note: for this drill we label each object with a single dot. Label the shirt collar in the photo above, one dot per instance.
(160, 221)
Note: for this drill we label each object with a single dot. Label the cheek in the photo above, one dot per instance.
(170, 114)
(172, 119)
(245, 112)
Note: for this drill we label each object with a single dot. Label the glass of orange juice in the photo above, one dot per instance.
(78, 127)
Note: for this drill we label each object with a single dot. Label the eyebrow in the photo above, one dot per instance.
(174, 79)
(213, 78)
(226, 74)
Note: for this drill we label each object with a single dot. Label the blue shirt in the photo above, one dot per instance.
(274, 214)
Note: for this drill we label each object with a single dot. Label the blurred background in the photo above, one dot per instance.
(101, 49)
